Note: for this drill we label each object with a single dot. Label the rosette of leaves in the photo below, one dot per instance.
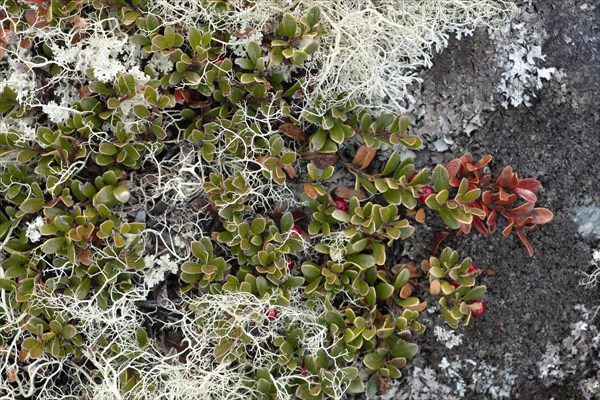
(356, 275)
(315, 190)
(51, 333)
(277, 162)
(450, 280)
(373, 338)
(78, 227)
(291, 34)
(500, 197)
(333, 127)
(388, 129)
(18, 184)
(392, 181)
(455, 211)
(130, 141)
(54, 150)
(376, 222)
(327, 381)
(260, 247)
(228, 195)
(205, 268)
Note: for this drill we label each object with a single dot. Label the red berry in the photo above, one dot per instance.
(478, 312)
(471, 268)
(425, 192)
(341, 204)
(271, 314)
(455, 284)
(413, 176)
(288, 265)
(297, 230)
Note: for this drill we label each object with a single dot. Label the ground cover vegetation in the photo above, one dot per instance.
(173, 221)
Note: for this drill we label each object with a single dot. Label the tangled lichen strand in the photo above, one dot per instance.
(373, 49)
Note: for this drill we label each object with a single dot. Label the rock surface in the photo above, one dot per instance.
(537, 339)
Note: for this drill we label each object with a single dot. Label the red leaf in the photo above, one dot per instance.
(529, 184)
(511, 199)
(540, 216)
(528, 246)
(486, 197)
(453, 167)
(504, 177)
(484, 161)
(523, 209)
(478, 225)
(465, 228)
(437, 239)
(525, 194)
(506, 231)
(491, 221)
(454, 182)
(503, 194)
(466, 158)
(181, 96)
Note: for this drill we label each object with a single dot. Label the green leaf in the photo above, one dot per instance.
(32, 205)
(54, 245)
(373, 361)
(471, 195)
(384, 290)
(476, 293)
(254, 51)
(194, 38)
(142, 337)
(440, 178)
(404, 349)
(68, 332)
(411, 142)
(26, 155)
(287, 222)
(448, 218)
(287, 26)
(7, 284)
(362, 261)
(121, 193)
(378, 252)
(313, 16)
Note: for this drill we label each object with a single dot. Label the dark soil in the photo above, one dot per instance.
(531, 300)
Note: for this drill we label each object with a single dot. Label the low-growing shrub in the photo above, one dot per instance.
(172, 220)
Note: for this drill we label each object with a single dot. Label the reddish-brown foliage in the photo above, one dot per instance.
(508, 196)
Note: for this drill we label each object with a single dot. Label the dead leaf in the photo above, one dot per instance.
(321, 160)
(85, 256)
(12, 374)
(363, 157)
(289, 170)
(419, 307)
(245, 34)
(435, 288)
(309, 189)
(437, 240)
(200, 104)
(406, 291)
(84, 91)
(420, 216)
(346, 193)
(292, 131)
